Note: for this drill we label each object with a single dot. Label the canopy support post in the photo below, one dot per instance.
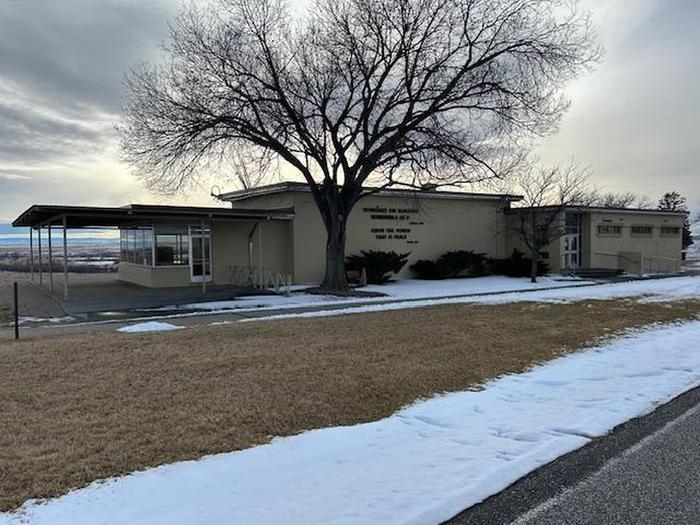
(65, 258)
(203, 239)
(50, 262)
(260, 256)
(31, 253)
(41, 262)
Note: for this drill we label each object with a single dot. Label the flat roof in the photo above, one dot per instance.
(284, 187)
(603, 209)
(104, 216)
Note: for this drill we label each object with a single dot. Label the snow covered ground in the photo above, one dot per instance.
(29, 319)
(667, 289)
(402, 289)
(420, 466)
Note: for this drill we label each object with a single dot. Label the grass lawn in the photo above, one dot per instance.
(83, 407)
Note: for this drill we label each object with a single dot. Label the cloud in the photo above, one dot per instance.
(60, 91)
(74, 52)
(634, 119)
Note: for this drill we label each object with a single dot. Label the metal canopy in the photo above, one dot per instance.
(96, 217)
(51, 217)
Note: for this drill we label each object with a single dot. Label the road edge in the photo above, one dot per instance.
(570, 469)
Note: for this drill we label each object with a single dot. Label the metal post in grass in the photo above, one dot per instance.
(16, 301)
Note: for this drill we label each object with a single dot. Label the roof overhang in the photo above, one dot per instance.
(601, 209)
(40, 215)
(302, 187)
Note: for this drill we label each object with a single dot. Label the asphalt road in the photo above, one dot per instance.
(646, 471)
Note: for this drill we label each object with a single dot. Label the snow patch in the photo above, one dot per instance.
(54, 320)
(401, 289)
(152, 326)
(422, 465)
(651, 290)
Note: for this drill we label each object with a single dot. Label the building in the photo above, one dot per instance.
(638, 241)
(274, 234)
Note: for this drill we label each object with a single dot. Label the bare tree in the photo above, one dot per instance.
(383, 92)
(251, 166)
(619, 200)
(547, 192)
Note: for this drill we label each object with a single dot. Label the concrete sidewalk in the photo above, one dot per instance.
(111, 319)
(33, 301)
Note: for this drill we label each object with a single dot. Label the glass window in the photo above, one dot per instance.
(573, 222)
(122, 245)
(148, 247)
(609, 229)
(136, 245)
(642, 230)
(130, 246)
(672, 231)
(171, 249)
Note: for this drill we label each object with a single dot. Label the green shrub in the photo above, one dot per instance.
(465, 262)
(378, 265)
(451, 264)
(517, 265)
(425, 269)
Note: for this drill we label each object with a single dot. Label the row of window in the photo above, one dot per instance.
(616, 229)
(137, 246)
(168, 244)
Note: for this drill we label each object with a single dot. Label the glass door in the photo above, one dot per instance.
(572, 243)
(200, 254)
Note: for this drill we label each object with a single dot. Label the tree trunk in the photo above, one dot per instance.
(335, 279)
(533, 265)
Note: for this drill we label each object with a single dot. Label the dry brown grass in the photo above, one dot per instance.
(92, 405)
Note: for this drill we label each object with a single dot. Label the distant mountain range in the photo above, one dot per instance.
(18, 236)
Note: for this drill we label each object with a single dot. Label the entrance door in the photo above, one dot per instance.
(572, 241)
(200, 254)
(572, 250)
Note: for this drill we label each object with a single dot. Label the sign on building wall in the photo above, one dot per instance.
(394, 224)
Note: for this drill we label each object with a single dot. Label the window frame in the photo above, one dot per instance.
(677, 230)
(136, 245)
(616, 227)
(181, 245)
(648, 230)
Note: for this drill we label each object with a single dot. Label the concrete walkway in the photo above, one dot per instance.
(113, 295)
(33, 301)
(114, 319)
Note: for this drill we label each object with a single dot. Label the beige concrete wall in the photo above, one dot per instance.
(659, 253)
(154, 277)
(230, 247)
(424, 226)
(133, 273)
(554, 249)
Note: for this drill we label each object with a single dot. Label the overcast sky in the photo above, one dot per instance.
(634, 120)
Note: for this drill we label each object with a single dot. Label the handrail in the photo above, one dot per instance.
(260, 278)
(672, 266)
